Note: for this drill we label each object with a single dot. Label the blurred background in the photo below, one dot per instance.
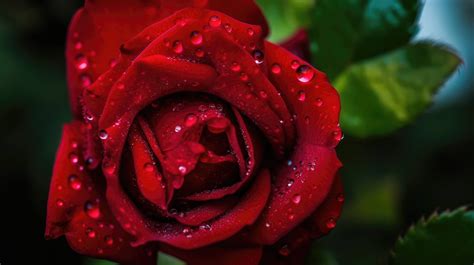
(390, 181)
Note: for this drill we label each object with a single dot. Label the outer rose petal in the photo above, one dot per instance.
(218, 255)
(78, 209)
(97, 31)
(304, 184)
(298, 44)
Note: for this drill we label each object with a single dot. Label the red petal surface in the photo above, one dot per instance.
(77, 208)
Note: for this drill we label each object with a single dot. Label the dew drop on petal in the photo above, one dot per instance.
(235, 67)
(304, 73)
(318, 102)
(92, 209)
(74, 182)
(295, 64)
(228, 28)
(250, 31)
(182, 170)
(290, 182)
(178, 128)
(276, 68)
(59, 203)
(214, 21)
(74, 158)
(108, 240)
(301, 95)
(90, 233)
(331, 223)
(340, 197)
(148, 167)
(190, 120)
(284, 250)
(178, 47)
(199, 53)
(296, 199)
(291, 217)
(258, 56)
(196, 37)
(85, 80)
(103, 134)
(81, 62)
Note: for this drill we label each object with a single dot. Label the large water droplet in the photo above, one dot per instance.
(103, 134)
(296, 199)
(304, 73)
(74, 182)
(214, 21)
(92, 209)
(258, 56)
(196, 37)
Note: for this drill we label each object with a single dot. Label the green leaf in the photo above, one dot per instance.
(344, 32)
(90, 261)
(387, 92)
(285, 16)
(165, 259)
(446, 238)
(321, 256)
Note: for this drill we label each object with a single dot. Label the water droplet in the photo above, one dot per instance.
(338, 135)
(120, 86)
(284, 250)
(90, 233)
(113, 62)
(206, 227)
(85, 80)
(196, 37)
(290, 182)
(235, 67)
(244, 77)
(89, 117)
(74, 182)
(92, 209)
(187, 232)
(289, 162)
(190, 120)
(178, 47)
(74, 158)
(276, 68)
(263, 94)
(291, 217)
(228, 28)
(295, 64)
(59, 203)
(304, 73)
(318, 102)
(250, 31)
(182, 170)
(340, 197)
(81, 62)
(331, 223)
(258, 56)
(267, 225)
(149, 167)
(78, 45)
(178, 128)
(296, 199)
(103, 134)
(108, 240)
(301, 95)
(109, 168)
(214, 21)
(199, 53)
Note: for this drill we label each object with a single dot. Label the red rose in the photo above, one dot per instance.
(193, 136)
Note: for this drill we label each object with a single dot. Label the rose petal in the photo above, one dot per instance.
(78, 209)
(298, 44)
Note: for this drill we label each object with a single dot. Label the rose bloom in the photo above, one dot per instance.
(193, 136)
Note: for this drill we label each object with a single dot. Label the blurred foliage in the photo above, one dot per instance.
(286, 16)
(446, 238)
(390, 181)
(164, 259)
(393, 88)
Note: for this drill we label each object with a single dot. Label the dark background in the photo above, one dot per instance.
(390, 181)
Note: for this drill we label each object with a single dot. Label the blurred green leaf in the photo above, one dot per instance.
(285, 16)
(165, 259)
(344, 32)
(446, 238)
(321, 256)
(90, 261)
(385, 93)
(375, 203)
